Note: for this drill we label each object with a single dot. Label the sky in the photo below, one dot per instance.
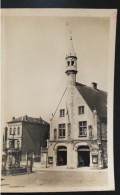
(35, 51)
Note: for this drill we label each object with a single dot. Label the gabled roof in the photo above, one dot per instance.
(95, 98)
(29, 120)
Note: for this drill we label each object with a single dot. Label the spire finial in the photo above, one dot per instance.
(70, 35)
(71, 48)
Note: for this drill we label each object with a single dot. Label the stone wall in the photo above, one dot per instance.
(34, 137)
(105, 155)
(74, 118)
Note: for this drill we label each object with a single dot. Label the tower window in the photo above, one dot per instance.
(62, 113)
(81, 110)
(68, 63)
(61, 130)
(83, 128)
(72, 63)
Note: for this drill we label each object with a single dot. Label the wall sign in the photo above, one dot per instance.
(95, 159)
(50, 160)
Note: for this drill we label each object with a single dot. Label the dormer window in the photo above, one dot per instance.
(62, 112)
(81, 110)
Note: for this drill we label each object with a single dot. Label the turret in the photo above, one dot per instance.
(71, 59)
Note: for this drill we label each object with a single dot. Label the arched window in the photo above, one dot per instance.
(18, 131)
(62, 155)
(68, 63)
(10, 131)
(18, 144)
(14, 131)
(72, 63)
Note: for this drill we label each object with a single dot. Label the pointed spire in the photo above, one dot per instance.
(71, 51)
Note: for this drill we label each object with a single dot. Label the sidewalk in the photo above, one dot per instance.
(64, 168)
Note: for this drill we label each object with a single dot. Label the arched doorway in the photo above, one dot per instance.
(62, 155)
(83, 156)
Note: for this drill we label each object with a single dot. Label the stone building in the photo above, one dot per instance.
(78, 133)
(24, 137)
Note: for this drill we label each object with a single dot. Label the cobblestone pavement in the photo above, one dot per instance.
(53, 180)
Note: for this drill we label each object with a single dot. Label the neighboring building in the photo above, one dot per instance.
(78, 133)
(25, 136)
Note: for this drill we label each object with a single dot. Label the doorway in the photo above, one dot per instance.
(62, 156)
(83, 156)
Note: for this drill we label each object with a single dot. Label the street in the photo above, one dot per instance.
(54, 180)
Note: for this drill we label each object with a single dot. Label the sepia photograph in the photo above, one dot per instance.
(57, 99)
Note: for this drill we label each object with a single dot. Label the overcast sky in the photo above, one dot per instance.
(35, 50)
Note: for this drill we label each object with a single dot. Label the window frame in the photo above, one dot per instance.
(14, 131)
(18, 131)
(62, 130)
(81, 110)
(10, 143)
(62, 113)
(10, 131)
(68, 62)
(72, 63)
(82, 128)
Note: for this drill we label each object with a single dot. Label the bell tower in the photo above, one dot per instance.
(71, 59)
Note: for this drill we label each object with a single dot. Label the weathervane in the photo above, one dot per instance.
(67, 24)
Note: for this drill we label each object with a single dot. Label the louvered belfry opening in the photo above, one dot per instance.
(62, 155)
(83, 156)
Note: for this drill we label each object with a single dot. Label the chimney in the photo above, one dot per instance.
(94, 85)
(13, 118)
(25, 117)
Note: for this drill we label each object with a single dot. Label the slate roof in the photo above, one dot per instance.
(95, 98)
(29, 120)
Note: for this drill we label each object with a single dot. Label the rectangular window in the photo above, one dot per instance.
(10, 144)
(10, 131)
(61, 130)
(62, 113)
(55, 133)
(18, 131)
(81, 110)
(83, 128)
(14, 131)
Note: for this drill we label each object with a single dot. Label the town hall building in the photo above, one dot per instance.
(78, 132)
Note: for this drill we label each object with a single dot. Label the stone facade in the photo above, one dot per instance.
(78, 132)
(29, 135)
